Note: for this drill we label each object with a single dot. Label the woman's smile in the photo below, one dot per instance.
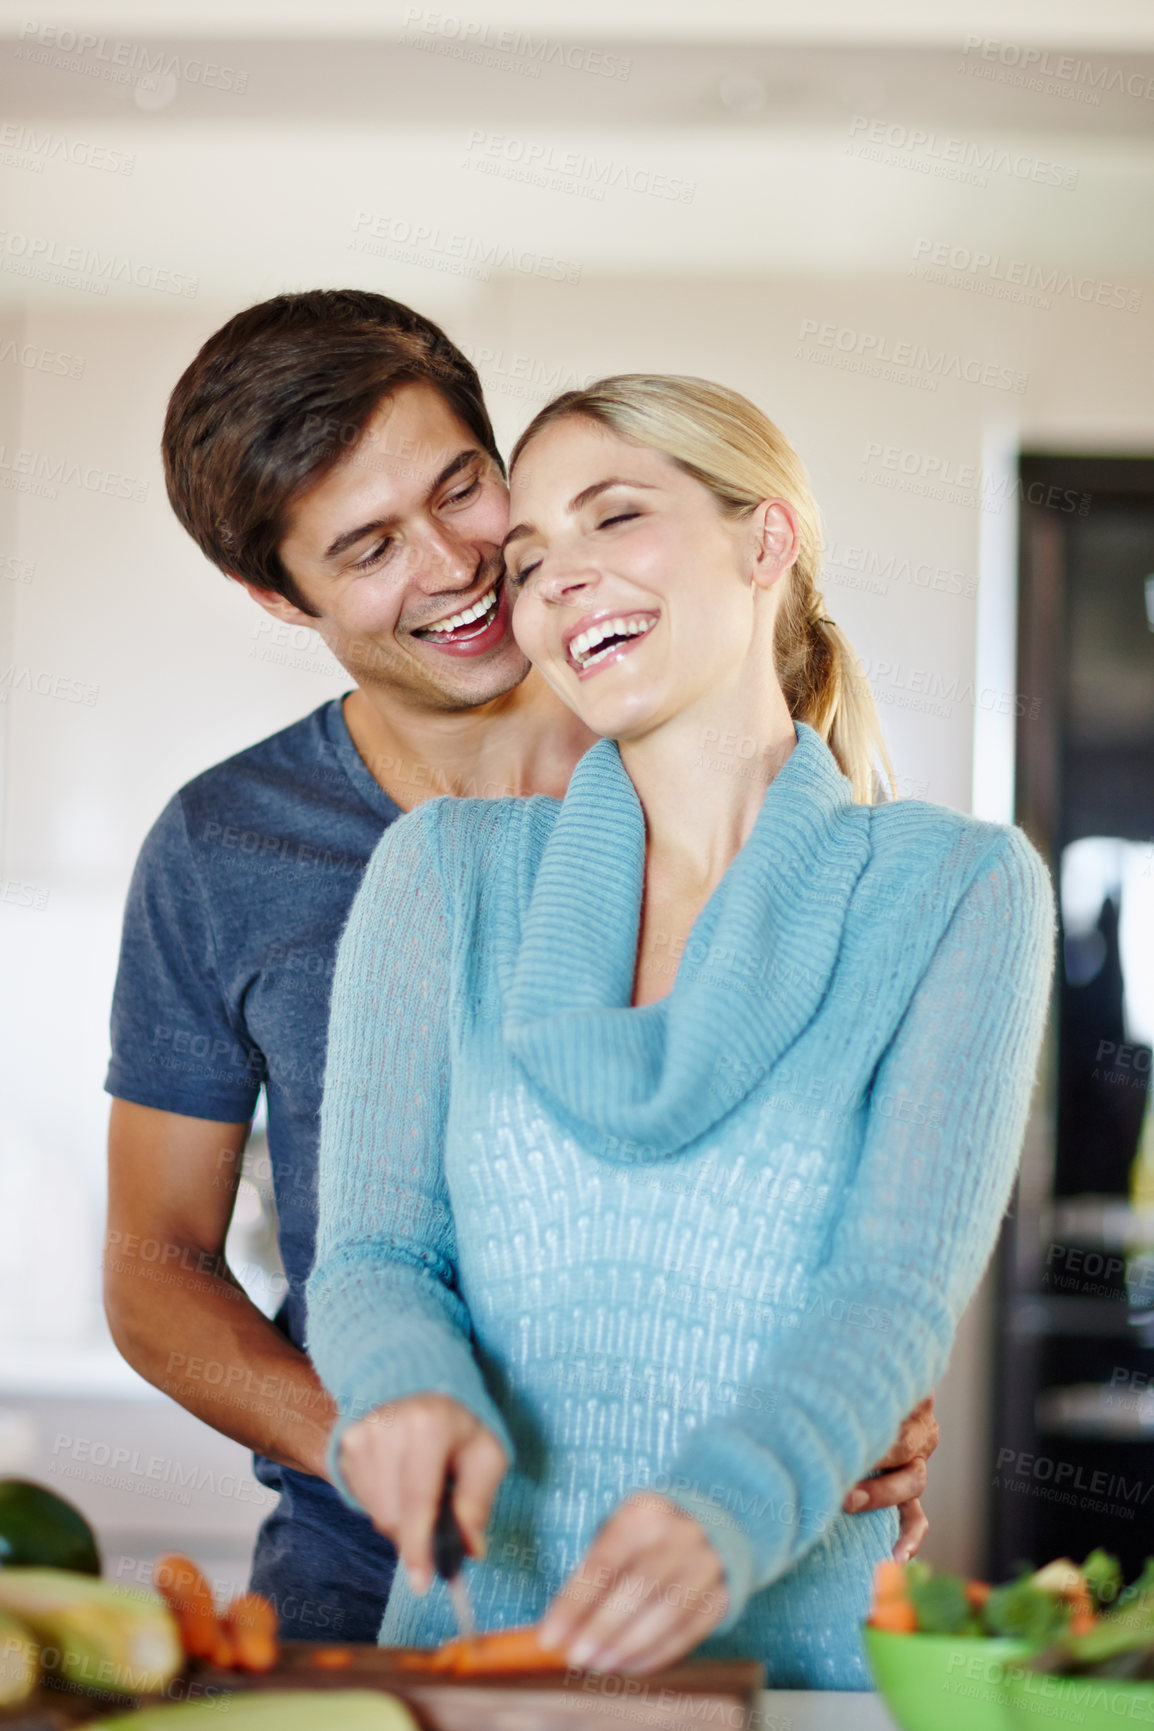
(600, 639)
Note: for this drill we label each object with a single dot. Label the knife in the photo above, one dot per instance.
(449, 1552)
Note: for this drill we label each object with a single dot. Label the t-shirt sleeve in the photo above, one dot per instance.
(177, 1044)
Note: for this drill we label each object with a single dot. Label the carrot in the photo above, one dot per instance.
(499, 1650)
(333, 1658)
(250, 1625)
(896, 1616)
(889, 1581)
(223, 1654)
(1082, 1618)
(977, 1592)
(189, 1597)
(892, 1609)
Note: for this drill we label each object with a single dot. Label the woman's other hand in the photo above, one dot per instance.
(649, 1589)
(902, 1480)
(395, 1461)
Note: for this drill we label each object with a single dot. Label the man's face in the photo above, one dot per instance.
(399, 540)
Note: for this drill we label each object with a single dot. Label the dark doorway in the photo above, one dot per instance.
(1072, 1450)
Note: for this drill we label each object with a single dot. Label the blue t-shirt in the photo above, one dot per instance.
(234, 913)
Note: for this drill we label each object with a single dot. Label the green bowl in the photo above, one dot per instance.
(1037, 1701)
(943, 1682)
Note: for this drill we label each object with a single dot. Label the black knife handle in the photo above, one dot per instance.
(449, 1548)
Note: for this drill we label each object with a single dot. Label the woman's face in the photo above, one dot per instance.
(632, 592)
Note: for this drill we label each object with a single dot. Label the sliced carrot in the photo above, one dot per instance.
(892, 1609)
(977, 1592)
(890, 1582)
(223, 1654)
(250, 1625)
(189, 1597)
(1082, 1618)
(499, 1650)
(895, 1616)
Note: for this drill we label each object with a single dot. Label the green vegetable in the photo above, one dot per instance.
(276, 1710)
(1024, 1612)
(1139, 1595)
(942, 1606)
(1122, 1642)
(1103, 1578)
(39, 1530)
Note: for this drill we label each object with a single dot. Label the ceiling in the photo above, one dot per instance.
(1119, 24)
(266, 142)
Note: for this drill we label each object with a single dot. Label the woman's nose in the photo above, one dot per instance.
(564, 580)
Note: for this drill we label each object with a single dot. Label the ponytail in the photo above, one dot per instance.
(824, 685)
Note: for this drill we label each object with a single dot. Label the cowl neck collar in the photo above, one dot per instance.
(639, 1084)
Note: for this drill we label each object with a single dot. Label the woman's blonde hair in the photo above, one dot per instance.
(725, 442)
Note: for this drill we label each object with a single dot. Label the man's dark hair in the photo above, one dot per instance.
(277, 397)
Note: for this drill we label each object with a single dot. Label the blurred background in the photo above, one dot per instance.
(922, 238)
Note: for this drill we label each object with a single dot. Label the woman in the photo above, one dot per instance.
(667, 1128)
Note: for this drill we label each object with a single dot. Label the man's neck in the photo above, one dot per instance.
(523, 742)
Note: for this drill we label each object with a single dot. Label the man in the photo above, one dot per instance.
(330, 451)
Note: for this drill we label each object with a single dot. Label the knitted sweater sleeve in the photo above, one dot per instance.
(909, 1244)
(385, 1316)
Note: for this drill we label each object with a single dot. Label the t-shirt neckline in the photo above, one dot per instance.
(367, 786)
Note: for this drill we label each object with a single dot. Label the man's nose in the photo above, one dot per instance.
(444, 561)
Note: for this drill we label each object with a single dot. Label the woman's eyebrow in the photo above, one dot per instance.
(522, 529)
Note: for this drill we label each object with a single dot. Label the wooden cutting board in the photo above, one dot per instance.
(699, 1692)
(712, 1692)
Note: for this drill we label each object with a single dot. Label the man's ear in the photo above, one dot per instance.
(276, 604)
(777, 540)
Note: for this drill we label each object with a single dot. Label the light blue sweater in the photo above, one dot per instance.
(717, 1245)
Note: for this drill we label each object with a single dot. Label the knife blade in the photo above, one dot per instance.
(449, 1552)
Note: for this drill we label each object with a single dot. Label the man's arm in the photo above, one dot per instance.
(176, 1312)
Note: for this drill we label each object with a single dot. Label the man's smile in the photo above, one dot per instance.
(473, 629)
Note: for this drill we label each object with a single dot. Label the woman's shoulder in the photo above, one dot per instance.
(470, 832)
(950, 853)
(469, 843)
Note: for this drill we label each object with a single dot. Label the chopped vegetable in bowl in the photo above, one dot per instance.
(965, 1669)
(1059, 1599)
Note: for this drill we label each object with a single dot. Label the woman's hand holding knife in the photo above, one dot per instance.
(396, 1462)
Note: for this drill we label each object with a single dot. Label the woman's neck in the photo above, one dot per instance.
(701, 783)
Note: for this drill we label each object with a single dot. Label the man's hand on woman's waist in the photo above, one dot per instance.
(902, 1475)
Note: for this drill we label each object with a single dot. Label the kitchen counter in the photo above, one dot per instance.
(776, 1710)
(819, 1710)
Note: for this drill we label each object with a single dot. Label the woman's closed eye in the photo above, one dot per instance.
(517, 578)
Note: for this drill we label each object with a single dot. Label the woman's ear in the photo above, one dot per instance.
(777, 540)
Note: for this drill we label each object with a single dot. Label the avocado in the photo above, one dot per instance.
(38, 1529)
